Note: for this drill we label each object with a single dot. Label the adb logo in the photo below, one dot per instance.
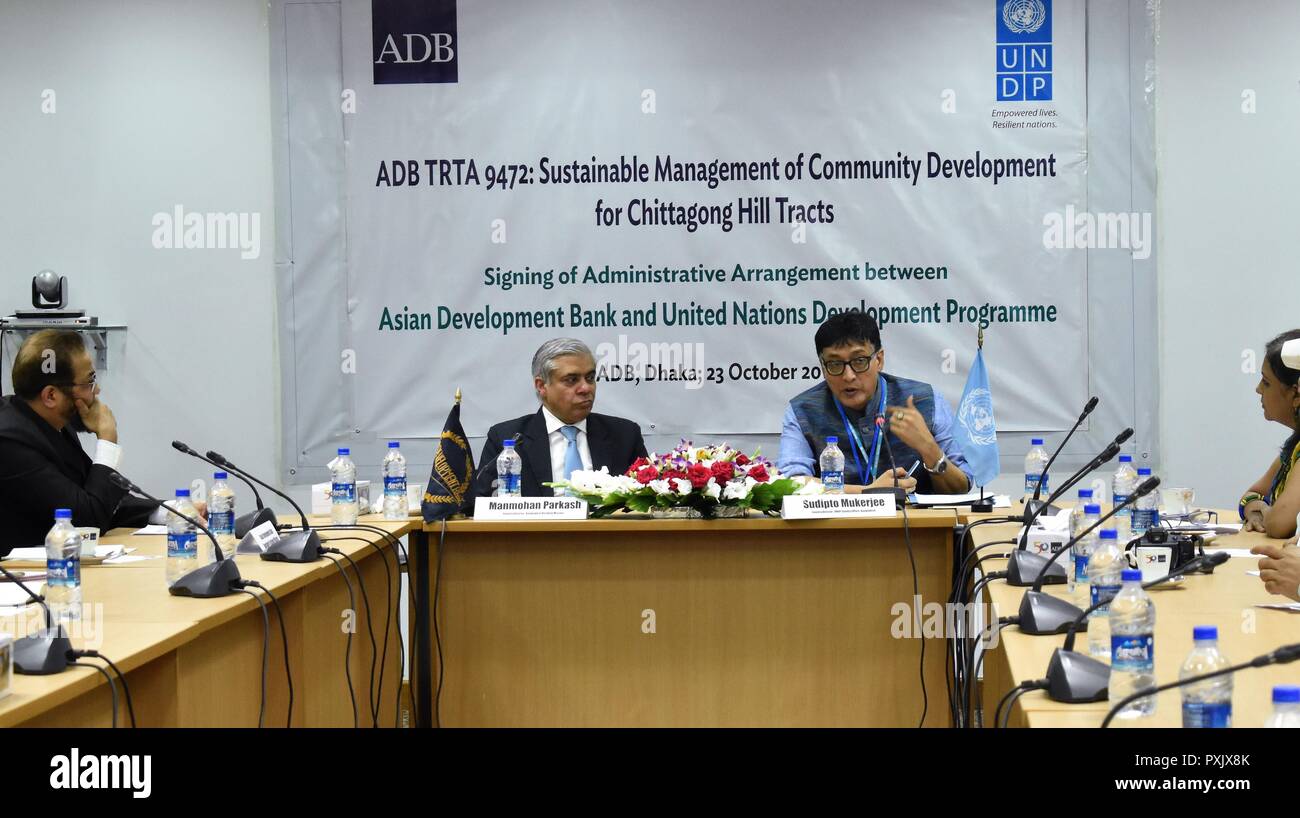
(1024, 70)
(414, 41)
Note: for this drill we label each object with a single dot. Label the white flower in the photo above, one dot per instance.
(811, 487)
(735, 490)
(660, 487)
(712, 489)
(683, 486)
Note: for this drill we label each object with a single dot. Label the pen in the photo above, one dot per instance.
(912, 470)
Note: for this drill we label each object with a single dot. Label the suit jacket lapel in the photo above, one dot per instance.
(536, 446)
(599, 444)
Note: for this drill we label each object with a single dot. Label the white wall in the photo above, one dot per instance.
(165, 103)
(1226, 223)
(157, 104)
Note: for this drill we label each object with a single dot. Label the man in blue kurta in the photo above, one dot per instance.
(915, 422)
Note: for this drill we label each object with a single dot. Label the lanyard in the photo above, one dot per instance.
(874, 458)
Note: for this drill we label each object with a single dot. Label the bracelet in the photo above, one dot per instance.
(1246, 499)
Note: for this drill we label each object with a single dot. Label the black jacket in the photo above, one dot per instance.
(42, 469)
(614, 442)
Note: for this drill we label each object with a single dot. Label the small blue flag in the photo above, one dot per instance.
(976, 431)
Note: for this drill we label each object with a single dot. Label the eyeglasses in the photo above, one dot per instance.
(860, 364)
(90, 383)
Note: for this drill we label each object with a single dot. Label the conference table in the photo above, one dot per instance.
(1228, 598)
(634, 621)
(198, 662)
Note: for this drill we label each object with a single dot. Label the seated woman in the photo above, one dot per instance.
(1272, 503)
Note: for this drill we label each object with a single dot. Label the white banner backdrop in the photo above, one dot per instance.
(691, 188)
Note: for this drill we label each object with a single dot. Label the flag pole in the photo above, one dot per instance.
(983, 505)
(458, 388)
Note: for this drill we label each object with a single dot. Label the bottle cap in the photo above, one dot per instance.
(1286, 694)
(1109, 534)
(182, 492)
(63, 514)
(1091, 508)
(219, 475)
(344, 452)
(509, 444)
(1085, 494)
(393, 444)
(831, 440)
(1131, 575)
(1036, 441)
(1201, 632)
(1144, 471)
(1126, 458)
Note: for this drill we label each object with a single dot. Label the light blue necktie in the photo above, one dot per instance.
(572, 460)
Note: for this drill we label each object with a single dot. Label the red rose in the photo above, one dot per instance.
(637, 465)
(646, 474)
(760, 474)
(698, 475)
(723, 471)
(672, 474)
(742, 460)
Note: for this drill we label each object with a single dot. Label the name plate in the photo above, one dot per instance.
(529, 508)
(827, 506)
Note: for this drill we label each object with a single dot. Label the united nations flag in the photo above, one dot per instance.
(976, 431)
(453, 470)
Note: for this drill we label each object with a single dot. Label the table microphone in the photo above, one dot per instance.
(217, 578)
(1033, 505)
(45, 652)
(244, 522)
(1281, 656)
(1023, 563)
(1040, 613)
(300, 546)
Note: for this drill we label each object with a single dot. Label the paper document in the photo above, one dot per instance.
(28, 553)
(13, 596)
(999, 500)
(152, 529)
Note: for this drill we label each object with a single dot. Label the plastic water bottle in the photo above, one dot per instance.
(1132, 646)
(1077, 583)
(63, 568)
(1105, 566)
(509, 466)
(1035, 463)
(832, 466)
(1207, 703)
(1286, 707)
(1145, 513)
(1076, 513)
(221, 513)
(182, 539)
(1121, 488)
(394, 468)
(343, 490)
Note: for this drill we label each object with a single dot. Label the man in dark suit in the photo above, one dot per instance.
(564, 434)
(42, 464)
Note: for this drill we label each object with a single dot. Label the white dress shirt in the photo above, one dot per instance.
(560, 444)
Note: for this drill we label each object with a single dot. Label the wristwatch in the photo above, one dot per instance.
(940, 466)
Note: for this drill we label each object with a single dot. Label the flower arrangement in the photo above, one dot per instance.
(704, 479)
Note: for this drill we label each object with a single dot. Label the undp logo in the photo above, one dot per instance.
(1024, 50)
(414, 41)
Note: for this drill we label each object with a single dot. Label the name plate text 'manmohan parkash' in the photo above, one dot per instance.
(530, 508)
(828, 506)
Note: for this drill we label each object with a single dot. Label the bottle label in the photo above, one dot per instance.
(1081, 568)
(1103, 593)
(395, 485)
(221, 522)
(1031, 483)
(833, 481)
(1133, 653)
(183, 546)
(1117, 499)
(1143, 518)
(63, 573)
(509, 484)
(344, 492)
(1207, 714)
